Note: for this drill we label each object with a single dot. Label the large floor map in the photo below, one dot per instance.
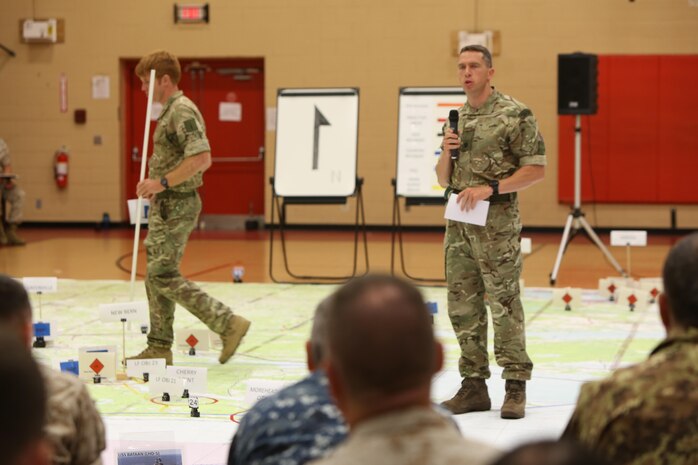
(567, 347)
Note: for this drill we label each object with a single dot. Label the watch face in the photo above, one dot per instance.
(163, 181)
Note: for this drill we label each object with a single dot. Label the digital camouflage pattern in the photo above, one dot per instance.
(646, 414)
(73, 425)
(15, 195)
(496, 140)
(298, 424)
(180, 133)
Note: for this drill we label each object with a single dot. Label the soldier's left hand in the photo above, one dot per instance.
(467, 198)
(148, 188)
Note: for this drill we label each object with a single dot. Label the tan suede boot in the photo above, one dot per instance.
(154, 352)
(12, 236)
(3, 236)
(232, 336)
(471, 397)
(514, 400)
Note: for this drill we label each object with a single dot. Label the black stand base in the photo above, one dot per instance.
(195, 413)
(165, 397)
(39, 343)
(192, 351)
(185, 394)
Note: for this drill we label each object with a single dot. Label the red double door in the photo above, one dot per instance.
(230, 95)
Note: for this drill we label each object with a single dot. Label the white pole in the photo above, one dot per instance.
(139, 206)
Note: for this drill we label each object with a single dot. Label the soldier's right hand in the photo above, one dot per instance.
(451, 140)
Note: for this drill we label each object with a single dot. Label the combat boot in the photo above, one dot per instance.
(154, 352)
(3, 236)
(232, 335)
(12, 236)
(471, 397)
(514, 400)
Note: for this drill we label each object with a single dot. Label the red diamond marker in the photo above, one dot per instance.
(97, 366)
(654, 292)
(612, 288)
(632, 299)
(192, 341)
(567, 298)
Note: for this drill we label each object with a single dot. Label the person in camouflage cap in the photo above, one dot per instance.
(181, 153)
(73, 425)
(648, 413)
(10, 192)
(500, 152)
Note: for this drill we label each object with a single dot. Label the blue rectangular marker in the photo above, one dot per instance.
(42, 329)
(71, 366)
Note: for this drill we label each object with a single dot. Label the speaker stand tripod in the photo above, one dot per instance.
(576, 216)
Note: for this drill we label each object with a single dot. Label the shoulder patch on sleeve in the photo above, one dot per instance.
(525, 113)
(190, 125)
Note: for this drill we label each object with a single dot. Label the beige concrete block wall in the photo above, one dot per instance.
(376, 45)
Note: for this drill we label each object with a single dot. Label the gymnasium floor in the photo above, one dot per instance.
(568, 347)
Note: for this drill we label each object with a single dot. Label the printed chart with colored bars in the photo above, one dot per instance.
(573, 336)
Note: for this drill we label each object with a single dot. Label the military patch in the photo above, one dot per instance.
(525, 113)
(190, 125)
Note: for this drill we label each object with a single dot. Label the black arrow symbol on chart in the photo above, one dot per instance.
(320, 120)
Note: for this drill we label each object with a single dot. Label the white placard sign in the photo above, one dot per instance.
(46, 285)
(193, 378)
(97, 360)
(145, 210)
(164, 383)
(132, 311)
(316, 142)
(201, 339)
(421, 115)
(230, 111)
(152, 366)
(526, 245)
(567, 298)
(629, 238)
(260, 388)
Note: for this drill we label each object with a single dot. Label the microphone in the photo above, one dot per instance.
(453, 123)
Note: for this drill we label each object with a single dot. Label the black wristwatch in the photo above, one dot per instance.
(165, 184)
(495, 187)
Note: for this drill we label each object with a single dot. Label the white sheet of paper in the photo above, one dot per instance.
(477, 215)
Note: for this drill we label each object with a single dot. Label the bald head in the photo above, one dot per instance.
(380, 337)
(681, 281)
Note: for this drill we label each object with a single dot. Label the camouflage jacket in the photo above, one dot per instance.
(646, 413)
(4, 155)
(180, 133)
(496, 140)
(416, 436)
(294, 426)
(73, 425)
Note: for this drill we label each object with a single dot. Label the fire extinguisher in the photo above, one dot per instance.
(60, 167)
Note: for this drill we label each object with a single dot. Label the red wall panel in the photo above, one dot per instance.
(642, 145)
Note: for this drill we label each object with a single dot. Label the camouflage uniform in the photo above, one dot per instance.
(73, 425)
(647, 413)
(180, 133)
(14, 196)
(417, 435)
(298, 424)
(496, 140)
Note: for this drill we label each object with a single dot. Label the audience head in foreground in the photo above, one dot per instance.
(24, 405)
(382, 357)
(72, 423)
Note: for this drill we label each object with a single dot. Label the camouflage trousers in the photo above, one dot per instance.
(487, 259)
(15, 197)
(172, 219)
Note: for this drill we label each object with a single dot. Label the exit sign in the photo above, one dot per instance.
(191, 13)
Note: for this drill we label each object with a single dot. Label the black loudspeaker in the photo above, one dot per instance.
(576, 84)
